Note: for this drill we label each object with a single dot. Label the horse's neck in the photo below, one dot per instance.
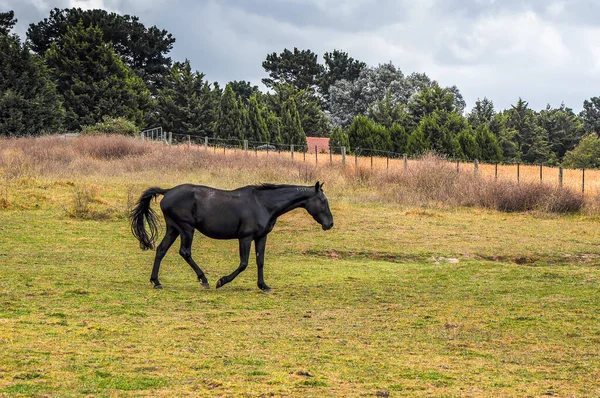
(281, 200)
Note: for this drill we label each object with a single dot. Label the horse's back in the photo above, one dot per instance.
(198, 202)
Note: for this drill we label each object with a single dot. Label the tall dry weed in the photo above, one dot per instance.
(432, 181)
(109, 147)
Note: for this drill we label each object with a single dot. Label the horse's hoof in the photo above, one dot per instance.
(205, 285)
(159, 287)
(266, 289)
(220, 283)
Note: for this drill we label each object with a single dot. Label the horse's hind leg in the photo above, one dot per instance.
(161, 250)
(187, 236)
(245, 244)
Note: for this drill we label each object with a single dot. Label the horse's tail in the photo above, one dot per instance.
(143, 211)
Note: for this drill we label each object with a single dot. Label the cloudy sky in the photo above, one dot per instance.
(545, 51)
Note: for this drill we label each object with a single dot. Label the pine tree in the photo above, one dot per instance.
(522, 122)
(93, 81)
(469, 149)
(29, 101)
(291, 128)
(230, 123)
(538, 148)
(257, 130)
(429, 100)
(367, 135)
(591, 115)
(144, 50)
(488, 144)
(185, 103)
(386, 113)
(7, 22)
(563, 127)
(483, 112)
(338, 139)
(398, 137)
(273, 123)
(417, 143)
(298, 68)
(440, 129)
(313, 119)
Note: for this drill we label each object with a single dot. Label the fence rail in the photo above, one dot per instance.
(384, 160)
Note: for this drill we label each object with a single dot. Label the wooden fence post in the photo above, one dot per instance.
(316, 155)
(189, 141)
(476, 167)
(582, 181)
(292, 150)
(170, 138)
(344, 155)
(496, 171)
(560, 176)
(518, 172)
(205, 143)
(405, 159)
(541, 177)
(246, 146)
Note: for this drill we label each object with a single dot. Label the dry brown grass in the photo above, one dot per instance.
(435, 181)
(430, 181)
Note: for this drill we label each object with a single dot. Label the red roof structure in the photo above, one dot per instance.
(322, 144)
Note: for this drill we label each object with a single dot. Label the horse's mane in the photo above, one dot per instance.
(265, 187)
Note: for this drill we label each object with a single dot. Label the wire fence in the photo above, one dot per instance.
(586, 180)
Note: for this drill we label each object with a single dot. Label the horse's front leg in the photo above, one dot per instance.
(245, 244)
(260, 245)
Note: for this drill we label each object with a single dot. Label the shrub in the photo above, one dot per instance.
(432, 180)
(110, 147)
(509, 196)
(112, 125)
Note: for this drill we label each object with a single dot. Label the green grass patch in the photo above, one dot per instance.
(393, 300)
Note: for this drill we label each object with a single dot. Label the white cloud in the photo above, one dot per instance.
(92, 4)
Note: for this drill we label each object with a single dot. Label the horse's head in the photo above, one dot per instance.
(318, 207)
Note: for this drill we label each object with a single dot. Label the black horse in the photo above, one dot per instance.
(247, 214)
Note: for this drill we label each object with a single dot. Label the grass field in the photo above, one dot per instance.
(395, 300)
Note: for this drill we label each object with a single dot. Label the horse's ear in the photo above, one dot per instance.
(317, 186)
(321, 187)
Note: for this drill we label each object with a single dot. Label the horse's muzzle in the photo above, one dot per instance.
(327, 227)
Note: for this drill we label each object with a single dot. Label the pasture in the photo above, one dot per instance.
(398, 299)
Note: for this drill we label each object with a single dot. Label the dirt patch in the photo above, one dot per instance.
(365, 254)
(528, 260)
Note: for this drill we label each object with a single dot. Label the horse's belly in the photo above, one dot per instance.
(222, 231)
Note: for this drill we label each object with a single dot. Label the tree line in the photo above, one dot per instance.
(77, 68)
